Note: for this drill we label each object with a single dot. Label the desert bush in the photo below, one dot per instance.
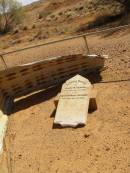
(44, 14)
(125, 3)
(52, 16)
(76, 9)
(68, 15)
(90, 7)
(33, 26)
(99, 21)
(16, 31)
(81, 8)
(10, 14)
(60, 13)
(25, 28)
(40, 16)
(15, 41)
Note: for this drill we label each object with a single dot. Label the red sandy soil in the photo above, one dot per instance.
(34, 145)
(58, 18)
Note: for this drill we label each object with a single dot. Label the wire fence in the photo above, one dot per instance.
(82, 36)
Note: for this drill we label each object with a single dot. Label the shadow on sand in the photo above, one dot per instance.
(47, 94)
(36, 98)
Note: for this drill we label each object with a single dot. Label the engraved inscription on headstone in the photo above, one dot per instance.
(73, 102)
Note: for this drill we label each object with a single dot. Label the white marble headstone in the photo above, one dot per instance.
(73, 103)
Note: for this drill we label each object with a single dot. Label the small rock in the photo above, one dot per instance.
(86, 136)
(107, 148)
(20, 156)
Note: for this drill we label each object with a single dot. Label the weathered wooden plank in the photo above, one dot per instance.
(27, 78)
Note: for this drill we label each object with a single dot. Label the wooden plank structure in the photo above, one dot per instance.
(22, 80)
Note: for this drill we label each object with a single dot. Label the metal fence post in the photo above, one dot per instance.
(4, 62)
(86, 42)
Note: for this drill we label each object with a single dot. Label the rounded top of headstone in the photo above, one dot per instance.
(77, 80)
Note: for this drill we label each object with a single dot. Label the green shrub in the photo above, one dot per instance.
(11, 14)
